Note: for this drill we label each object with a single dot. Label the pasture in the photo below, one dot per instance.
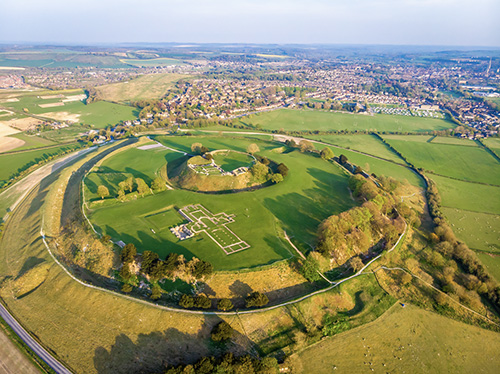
(58, 58)
(492, 263)
(313, 190)
(363, 143)
(300, 120)
(404, 340)
(481, 231)
(151, 62)
(146, 87)
(471, 164)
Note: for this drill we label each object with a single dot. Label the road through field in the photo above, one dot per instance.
(32, 343)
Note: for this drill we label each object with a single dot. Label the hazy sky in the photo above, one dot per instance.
(424, 22)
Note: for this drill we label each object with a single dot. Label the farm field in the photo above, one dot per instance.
(100, 114)
(471, 164)
(453, 140)
(363, 143)
(146, 87)
(468, 196)
(31, 141)
(481, 231)
(12, 360)
(58, 58)
(405, 340)
(493, 143)
(298, 205)
(162, 61)
(300, 120)
(10, 163)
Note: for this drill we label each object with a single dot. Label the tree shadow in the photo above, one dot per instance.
(240, 289)
(153, 352)
(30, 263)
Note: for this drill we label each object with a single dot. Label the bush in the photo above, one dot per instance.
(221, 332)
(256, 299)
(186, 301)
(127, 288)
(310, 268)
(225, 304)
(202, 302)
(202, 268)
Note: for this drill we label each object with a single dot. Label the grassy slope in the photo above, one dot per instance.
(466, 163)
(405, 340)
(289, 119)
(152, 86)
(300, 203)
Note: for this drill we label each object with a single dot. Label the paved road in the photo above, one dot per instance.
(32, 343)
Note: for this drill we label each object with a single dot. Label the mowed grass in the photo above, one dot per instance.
(313, 190)
(472, 164)
(299, 120)
(99, 114)
(133, 162)
(453, 140)
(10, 163)
(363, 143)
(407, 340)
(146, 87)
(229, 161)
(480, 231)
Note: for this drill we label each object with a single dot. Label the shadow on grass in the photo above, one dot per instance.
(153, 352)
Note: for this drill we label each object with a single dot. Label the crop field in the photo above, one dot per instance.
(493, 143)
(146, 87)
(405, 340)
(363, 143)
(31, 141)
(100, 114)
(313, 190)
(480, 231)
(466, 163)
(58, 58)
(297, 120)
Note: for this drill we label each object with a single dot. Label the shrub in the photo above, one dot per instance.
(256, 299)
(225, 304)
(221, 332)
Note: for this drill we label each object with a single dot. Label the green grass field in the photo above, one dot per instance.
(151, 62)
(31, 141)
(492, 263)
(363, 143)
(58, 58)
(297, 120)
(10, 163)
(99, 114)
(453, 140)
(466, 163)
(313, 190)
(468, 196)
(229, 161)
(403, 340)
(493, 143)
(480, 231)
(146, 87)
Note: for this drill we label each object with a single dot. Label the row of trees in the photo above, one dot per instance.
(132, 184)
(255, 299)
(230, 365)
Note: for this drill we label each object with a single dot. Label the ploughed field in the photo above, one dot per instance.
(313, 190)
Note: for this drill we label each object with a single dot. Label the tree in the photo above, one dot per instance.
(222, 331)
(253, 148)
(355, 264)
(128, 253)
(158, 184)
(102, 191)
(306, 146)
(202, 268)
(125, 273)
(127, 288)
(358, 170)
(129, 184)
(156, 292)
(202, 301)
(204, 150)
(310, 268)
(276, 178)
(342, 159)
(259, 170)
(195, 147)
(224, 304)
(186, 301)
(256, 299)
(326, 153)
(149, 259)
(142, 186)
(283, 169)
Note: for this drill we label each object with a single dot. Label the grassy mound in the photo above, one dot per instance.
(31, 279)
